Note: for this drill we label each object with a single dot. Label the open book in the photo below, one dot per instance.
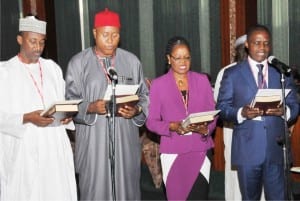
(121, 90)
(65, 108)
(268, 98)
(199, 117)
(129, 100)
(295, 169)
(125, 95)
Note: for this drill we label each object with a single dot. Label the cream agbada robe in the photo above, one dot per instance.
(36, 163)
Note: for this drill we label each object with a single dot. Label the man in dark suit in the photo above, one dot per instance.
(255, 148)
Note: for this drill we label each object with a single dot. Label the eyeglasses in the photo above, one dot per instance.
(178, 59)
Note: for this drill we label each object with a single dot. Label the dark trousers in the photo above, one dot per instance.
(200, 189)
(252, 178)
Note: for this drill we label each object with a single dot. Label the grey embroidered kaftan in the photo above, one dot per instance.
(86, 79)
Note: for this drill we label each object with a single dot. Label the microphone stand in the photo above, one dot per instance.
(286, 144)
(112, 134)
(112, 128)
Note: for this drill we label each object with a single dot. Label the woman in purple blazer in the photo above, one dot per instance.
(173, 96)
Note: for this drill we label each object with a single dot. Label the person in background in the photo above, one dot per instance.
(240, 55)
(256, 150)
(184, 151)
(36, 160)
(87, 78)
(150, 151)
(232, 189)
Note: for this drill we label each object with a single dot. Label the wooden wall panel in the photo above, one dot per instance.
(34, 7)
(295, 146)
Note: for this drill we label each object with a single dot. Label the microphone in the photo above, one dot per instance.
(112, 73)
(282, 67)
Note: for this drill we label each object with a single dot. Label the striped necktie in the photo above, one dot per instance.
(260, 77)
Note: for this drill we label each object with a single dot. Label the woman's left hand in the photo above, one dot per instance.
(201, 128)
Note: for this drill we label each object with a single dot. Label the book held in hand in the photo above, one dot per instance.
(199, 117)
(295, 169)
(65, 108)
(121, 90)
(127, 100)
(130, 100)
(268, 99)
(125, 95)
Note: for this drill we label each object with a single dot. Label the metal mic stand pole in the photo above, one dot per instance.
(286, 145)
(112, 135)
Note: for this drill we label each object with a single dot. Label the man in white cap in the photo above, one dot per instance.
(240, 55)
(232, 189)
(36, 161)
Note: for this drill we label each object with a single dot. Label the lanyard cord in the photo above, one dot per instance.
(39, 89)
(185, 97)
(101, 62)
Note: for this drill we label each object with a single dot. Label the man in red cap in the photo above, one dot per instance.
(87, 78)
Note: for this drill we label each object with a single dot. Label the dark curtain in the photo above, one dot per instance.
(215, 38)
(129, 17)
(294, 33)
(170, 18)
(67, 31)
(9, 25)
(175, 18)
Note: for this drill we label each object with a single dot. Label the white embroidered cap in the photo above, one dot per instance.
(240, 40)
(32, 24)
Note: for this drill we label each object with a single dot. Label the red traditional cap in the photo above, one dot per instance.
(107, 18)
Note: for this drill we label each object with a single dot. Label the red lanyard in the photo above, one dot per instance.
(101, 61)
(39, 89)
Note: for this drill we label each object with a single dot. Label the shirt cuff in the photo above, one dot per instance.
(240, 118)
(288, 113)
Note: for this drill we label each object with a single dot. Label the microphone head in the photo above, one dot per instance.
(271, 59)
(283, 68)
(112, 73)
(110, 69)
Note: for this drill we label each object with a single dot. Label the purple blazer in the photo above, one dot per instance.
(166, 105)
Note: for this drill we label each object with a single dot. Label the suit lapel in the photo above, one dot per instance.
(247, 75)
(273, 78)
(172, 86)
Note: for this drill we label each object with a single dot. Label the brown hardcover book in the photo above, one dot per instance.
(266, 102)
(268, 99)
(199, 117)
(68, 108)
(120, 91)
(122, 101)
(125, 95)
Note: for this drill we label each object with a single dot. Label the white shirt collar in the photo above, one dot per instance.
(254, 68)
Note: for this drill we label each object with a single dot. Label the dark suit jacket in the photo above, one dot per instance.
(253, 141)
